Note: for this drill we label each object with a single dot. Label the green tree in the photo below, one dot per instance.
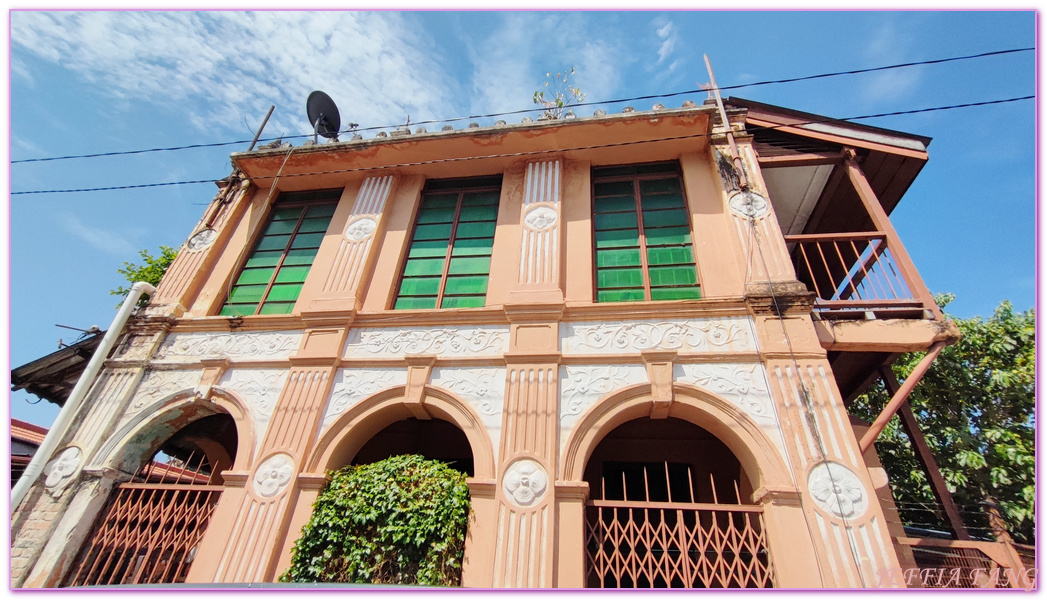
(976, 408)
(561, 96)
(401, 520)
(151, 271)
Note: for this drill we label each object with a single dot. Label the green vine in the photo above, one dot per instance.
(401, 520)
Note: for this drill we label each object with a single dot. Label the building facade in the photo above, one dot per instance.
(635, 332)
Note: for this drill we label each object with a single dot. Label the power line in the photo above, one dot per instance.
(530, 110)
(532, 152)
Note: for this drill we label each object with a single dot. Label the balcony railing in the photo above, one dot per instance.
(856, 273)
(969, 564)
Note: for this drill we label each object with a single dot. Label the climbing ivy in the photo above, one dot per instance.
(401, 520)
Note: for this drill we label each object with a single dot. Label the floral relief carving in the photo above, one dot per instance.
(695, 335)
(260, 388)
(353, 385)
(525, 482)
(231, 345)
(158, 385)
(465, 341)
(540, 218)
(273, 475)
(60, 470)
(201, 239)
(748, 205)
(360, 229)
(484, 388)
(837, 490)
(741, 384)
(582, 386)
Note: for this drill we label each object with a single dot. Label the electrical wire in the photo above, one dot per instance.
(538, 109)
(532, 152)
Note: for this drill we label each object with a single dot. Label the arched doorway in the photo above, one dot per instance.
(670, 506)
(149, 530)
(434, 439)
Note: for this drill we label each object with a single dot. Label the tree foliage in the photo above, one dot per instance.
(401, 520)
(976, 408)
(151, 271)
(561, 96)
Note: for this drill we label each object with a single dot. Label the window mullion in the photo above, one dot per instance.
(450, 249)
(643, 240)
(280, 262)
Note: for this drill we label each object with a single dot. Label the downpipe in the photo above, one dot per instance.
(76, 397)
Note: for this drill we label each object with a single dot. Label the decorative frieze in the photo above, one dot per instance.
(582, 386)
(728, 334)
(273, 345)
(158, 385)
(260, 390)
(744, 385)
(483, 389)
(353, 385)
(480, 340)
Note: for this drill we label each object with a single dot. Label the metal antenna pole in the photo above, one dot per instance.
(261, 127)
(742, 180)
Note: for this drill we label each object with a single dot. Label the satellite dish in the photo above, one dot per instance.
(323, 114)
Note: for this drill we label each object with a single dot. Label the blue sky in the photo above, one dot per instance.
(87, 82)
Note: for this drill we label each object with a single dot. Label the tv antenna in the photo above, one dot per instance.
(323, 114)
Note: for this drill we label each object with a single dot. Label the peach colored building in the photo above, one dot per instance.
(637, 333)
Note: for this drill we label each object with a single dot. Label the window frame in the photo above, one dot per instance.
(303, 200)
(672, 169)
(460, 186)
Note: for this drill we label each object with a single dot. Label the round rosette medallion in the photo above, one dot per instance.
(525, 482)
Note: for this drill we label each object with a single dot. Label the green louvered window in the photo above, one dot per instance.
(642, 233)
(449, 259)
(274, 273)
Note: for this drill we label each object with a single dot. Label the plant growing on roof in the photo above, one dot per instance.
(560, 97)
(401, 520)
(150, 272)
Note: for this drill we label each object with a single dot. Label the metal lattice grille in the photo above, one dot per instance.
(149, 531)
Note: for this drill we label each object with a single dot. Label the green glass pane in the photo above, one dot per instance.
(414, 303)
(668, 236)
(314, 225)
(275, 242)
(302, 256)
(255, 276)
(613, 188)
(286, 214)
(618, 239)
(619, 278)
(463, 301)
(670, 255)
(321, 210)
(681, 293)
(470, 266)
(419, 286)
(665, 218)
(655, 186)
(624, 257)
(292, 274)
(436, 215)
(244, 294)
(281, 227)
(432, 201)
(277, 308)
(626, 220)
(478, 213)
(489, 198)
(264, 259)
(619, 295)
(428, 249)
(307, 240)
(466, 285)
(433, 232)
(285, 292)
(475, 230)
(424, 266)
(661, 276)
(615, 204)
(238, 310)
(660, 201)
(473, 247)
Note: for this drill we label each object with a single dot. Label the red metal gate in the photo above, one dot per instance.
(149, 531)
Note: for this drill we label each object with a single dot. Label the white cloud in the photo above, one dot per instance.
(667, 34)
(888, 45)
(96, 237)
(232, 64)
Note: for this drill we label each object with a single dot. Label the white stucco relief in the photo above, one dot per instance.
(480, 340)
(582, 386)
(59, 472)
(265, 345)
(730, 334)
(353, 385)
(483, 388)
(260, 390)
(525, 482)
(273, 475)
(158, 385)
(837, 490)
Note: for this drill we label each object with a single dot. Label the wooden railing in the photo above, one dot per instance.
(968, 564)
(855, 271)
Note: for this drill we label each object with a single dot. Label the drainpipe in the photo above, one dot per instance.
(76, 397)
(899, 397)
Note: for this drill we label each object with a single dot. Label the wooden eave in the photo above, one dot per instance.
(53, 377)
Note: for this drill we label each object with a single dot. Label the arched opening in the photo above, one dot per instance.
(149, 530)
(434, 439)
(670, 506)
